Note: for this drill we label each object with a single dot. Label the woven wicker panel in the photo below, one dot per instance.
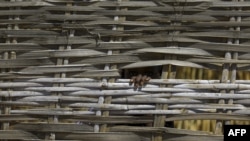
(66, 68)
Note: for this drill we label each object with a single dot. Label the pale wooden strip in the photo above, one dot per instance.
(16, 135)
(161, 28)
(62, 99)
(52, 112)
(53, 69)
(18, 103)
(74, 17)
(156, 129)
(19, 93)
(230, 4)
(208, 106)
(186, 18)
(213, 86)
(19, 84)
(222, 34)
(149, 112)
(98, 74)
(166, 90)
(188, 1)
(110, 59)
(124, 23)
(125, 4)
(220, 24)
(160, 63)
(120, 45)
(225, 13)
(176, 50)
(167, 38)
(62, 127)
(167, 8)
(180, 81)
(218, 60)
(19, 63)
(61, 40)
(152, 100)
(31, 22)
(186, 81)
(125, 136)
(62, 80)
(242, 112)
(72, 8)
(243, 101)
(244, 91)
(26, 32)
(244, 56)
(56, 89)
(143, 119)
(105, 85)
(221, 47)
(16, 118)
(20, 12)
(113, 119)
(126, 13)
(109, 136)
(171, 137)
(110, 107)
(76, 53)
(20, 47)
(246, 19)
(208, 116)
(118, 92)
(212, 95)
(24, 4)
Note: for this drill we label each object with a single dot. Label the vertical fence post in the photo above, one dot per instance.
(108, 99)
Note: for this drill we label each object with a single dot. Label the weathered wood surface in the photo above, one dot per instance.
(17, 135)
(61, 61)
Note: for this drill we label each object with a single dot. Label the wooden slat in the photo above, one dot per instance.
(16, 135)
(161, 62)
(20, 63)
(177, 51)
(24, 4)
(111, 59)
(43, 127)
(16, 117)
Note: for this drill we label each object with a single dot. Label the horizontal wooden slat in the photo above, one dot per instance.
(16, 135)
(24, 4)
(135, 137)
(162, 62)
(21, 63)
(43, 127)
(16, 118)
(177, 51)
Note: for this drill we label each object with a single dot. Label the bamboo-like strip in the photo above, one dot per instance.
(214, 86)
(24, 4)
(62, 80)
(212, 95)
(16, 135)
(19, 84)
(61, 127)
(17, 117)
(156, 129)
(210, 116)
(51, 112)
(56, 89)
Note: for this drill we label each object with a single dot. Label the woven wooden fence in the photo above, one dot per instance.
(65, 68)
